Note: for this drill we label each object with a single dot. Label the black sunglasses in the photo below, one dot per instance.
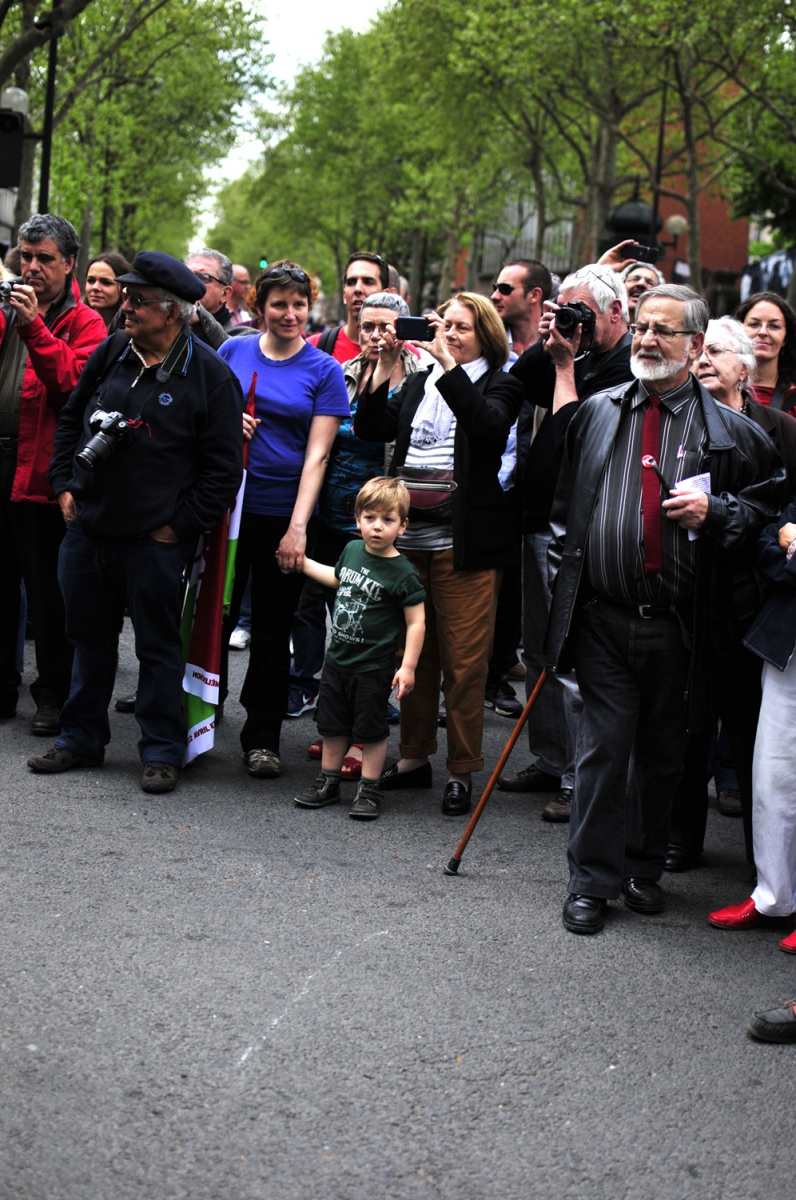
(293, 272)
(505, 289)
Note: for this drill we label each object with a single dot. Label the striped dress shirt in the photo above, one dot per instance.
(615, 545)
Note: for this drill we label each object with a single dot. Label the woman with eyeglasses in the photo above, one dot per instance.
(770, 323)
(450, 424)
(299, 401)
(724, 369)
(103, 293)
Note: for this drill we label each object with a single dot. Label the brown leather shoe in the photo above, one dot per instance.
(729, 803)
(559, 809)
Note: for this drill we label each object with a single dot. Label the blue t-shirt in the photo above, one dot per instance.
(288, 395)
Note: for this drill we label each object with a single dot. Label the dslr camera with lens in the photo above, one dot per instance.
(569, 316)
(111, 431)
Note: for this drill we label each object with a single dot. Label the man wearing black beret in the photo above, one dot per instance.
(147, 456)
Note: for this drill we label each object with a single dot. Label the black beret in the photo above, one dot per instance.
(155, 269)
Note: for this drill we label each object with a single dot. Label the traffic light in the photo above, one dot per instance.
(263, 263)
(12, 129)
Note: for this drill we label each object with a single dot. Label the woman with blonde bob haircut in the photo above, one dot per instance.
(449, 423)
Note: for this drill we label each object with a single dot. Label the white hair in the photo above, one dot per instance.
(166, 299)
(734, 330)
(604, 285)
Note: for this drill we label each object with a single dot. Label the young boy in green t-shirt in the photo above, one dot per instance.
(378, 592)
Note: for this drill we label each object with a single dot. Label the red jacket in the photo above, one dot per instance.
(55, 359)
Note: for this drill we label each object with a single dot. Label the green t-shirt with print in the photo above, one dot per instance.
(368, 614)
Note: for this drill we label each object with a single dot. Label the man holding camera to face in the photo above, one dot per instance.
(584, 348)
(46, 337)
(148, 455)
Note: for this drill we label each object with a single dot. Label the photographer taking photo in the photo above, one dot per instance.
(148, 455)
(46, 336)
(584, 348)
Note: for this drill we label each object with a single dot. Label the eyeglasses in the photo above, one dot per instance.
(716, 351)
(136, 301)
(294, 273)
(505, 289)
(206, 277)
(369, 327)
(28, 256)
(661, 333)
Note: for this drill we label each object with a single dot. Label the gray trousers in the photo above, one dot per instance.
(554, 722)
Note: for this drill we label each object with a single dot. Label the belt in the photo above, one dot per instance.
(8, 443)
(647, 611)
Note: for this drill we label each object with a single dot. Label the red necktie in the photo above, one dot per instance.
(651, 488)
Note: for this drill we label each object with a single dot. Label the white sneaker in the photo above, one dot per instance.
(239, 639)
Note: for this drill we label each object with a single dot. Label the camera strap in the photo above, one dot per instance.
(164, 371)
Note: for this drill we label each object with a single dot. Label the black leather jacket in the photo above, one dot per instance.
(747, 486)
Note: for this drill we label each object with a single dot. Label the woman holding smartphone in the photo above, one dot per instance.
(450, 424)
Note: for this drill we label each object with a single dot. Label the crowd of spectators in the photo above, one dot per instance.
(589, 469)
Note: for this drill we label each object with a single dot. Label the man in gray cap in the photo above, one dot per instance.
(147, 457)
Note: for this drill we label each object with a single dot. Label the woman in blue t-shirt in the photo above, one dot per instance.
(299, 398)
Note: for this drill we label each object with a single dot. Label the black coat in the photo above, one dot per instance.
(747, 484)
(772, 634)
(483, 532)
(184, 465)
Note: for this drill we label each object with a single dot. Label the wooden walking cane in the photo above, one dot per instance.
(453, 866)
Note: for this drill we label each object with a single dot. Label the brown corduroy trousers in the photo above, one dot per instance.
(460, 624)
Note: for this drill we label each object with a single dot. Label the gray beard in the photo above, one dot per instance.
(655, 372)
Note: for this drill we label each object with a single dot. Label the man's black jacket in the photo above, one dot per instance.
(747, 485)
(185, 465)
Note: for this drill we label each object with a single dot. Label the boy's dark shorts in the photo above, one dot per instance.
(353, 705)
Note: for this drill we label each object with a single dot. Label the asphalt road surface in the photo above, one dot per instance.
(218, 996)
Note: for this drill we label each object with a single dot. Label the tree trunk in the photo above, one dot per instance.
(84, 253)
(417, 275)
(604, 187)
(23, 207)
(686, 93)
(474, 260)
(447, 274)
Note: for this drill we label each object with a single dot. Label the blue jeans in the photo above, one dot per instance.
(98, 580)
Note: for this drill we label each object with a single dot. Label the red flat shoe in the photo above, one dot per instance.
(737, 916)
(788, 944)
(316, 749)
(352, 767)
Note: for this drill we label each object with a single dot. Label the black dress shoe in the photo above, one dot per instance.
(680, 859)
(418, 777)
(584, 914)
(456, 798)
(530, 779)
(47, 722)
(126, 703)
(643, 895)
